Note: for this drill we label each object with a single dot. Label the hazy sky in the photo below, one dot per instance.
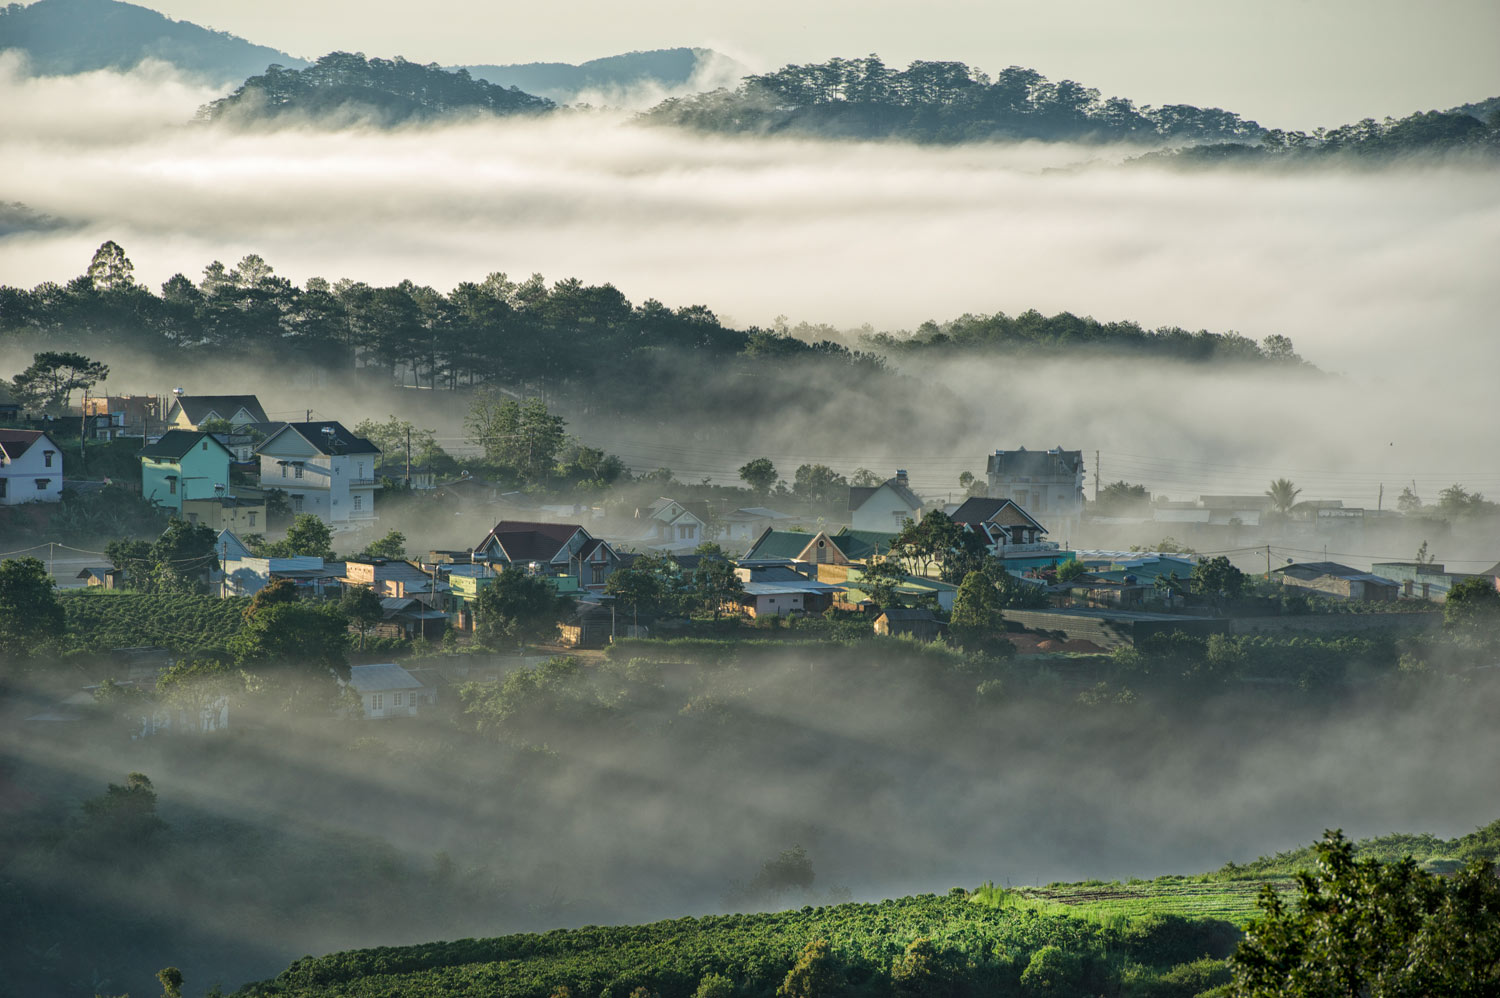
(1287, 63)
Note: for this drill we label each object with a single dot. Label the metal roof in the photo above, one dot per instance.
(378, 678)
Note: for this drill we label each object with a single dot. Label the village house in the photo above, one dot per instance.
(564, 549)
(772, 589)
(1340, 581)
(388, 691)
(409, 617)
(742, 526)
(184, 465)
(324, 469)
(111, 417)
(31, 467)
(190, 412)
(884, 507)
(1010, 533)
(1049, 483)
(671, 527)
(1426, 580)
(846, 547)
(396, 579)
(903, 621)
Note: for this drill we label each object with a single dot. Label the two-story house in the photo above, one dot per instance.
(1011, 533)
(1049, 483)
(553, 548)
(31, 467)
(182, 465)
(324, 470)
(885, 507)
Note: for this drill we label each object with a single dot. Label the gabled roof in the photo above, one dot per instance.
(521, 540)
(784, 545)
(861, 494)
(14, 443)
(337, 439)
(1001, 512)
(906, 613)
(228, 545)
(857, 545)
(197, 408)
(1320, 569)
(175, 444)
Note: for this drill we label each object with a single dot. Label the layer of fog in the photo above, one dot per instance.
(890, 786)
(1382, 276)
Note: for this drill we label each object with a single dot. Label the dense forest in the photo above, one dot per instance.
(386, 91)
(947, 102)
(940, 102)
(588, 341)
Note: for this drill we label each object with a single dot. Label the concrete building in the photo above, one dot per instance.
(324, 470)
(1049, 484)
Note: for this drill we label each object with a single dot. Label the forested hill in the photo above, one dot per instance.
(60, 37)
(941, 102)
(343, 86)
(563, 82)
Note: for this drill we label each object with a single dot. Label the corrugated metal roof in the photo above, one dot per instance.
(378, 678)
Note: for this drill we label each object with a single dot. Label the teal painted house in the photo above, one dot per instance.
(184, 464)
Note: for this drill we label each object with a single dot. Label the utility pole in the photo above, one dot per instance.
(83, 425)
(1096, 476)
(408, 457)
(308, 417)
(1380, 499)
(1268, 563)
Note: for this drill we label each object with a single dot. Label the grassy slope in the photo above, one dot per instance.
(1133, 931)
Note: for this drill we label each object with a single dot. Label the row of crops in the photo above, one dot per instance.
(98, 620)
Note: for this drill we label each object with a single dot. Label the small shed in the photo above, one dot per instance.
(589, 627)
(104, 576)
(905, 621)
(386, 690)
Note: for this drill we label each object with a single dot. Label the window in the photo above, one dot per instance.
(47, 457)
(42, 483)
(171, 485)
(298, 472)
(283, 471)
(297, 503)
(395, 699)
(377, 701)
(685, 532)
(358, 503)
(204, 445)
(600, 573)
(192, 517)
(361, 470)
(251, 517)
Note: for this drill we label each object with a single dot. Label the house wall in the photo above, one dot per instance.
(884, 511)
(22, 475)
(197, 472)
(773, 606)
(390, 703)
(336, 488)
(241, 519)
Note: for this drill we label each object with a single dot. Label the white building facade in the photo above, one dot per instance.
(31, 467)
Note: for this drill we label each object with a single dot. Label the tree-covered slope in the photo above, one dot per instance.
(940, 102)
(961, 943)
(60, 37)
(562, 82)
(347, 86)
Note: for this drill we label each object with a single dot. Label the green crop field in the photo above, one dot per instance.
(1231, 900)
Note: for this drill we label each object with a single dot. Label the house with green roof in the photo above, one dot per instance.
(182, 465)
(843, 548)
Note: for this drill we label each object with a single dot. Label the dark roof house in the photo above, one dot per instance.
(196, 409)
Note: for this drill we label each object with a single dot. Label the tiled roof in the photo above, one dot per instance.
(198, 407)
(14, 443)
(1023, 463)
(337, 441)
(861, 544)
(377, 678)
(1001, 512)
(524, 541)
(783, 544)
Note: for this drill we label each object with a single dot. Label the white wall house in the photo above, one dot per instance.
(885, 507)
(324, 470)
(31, 467)
(669, 526)
(1047, 483)
(387, 691)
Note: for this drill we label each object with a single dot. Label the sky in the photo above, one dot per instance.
(1284, 63)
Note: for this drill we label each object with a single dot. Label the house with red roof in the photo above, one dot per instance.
(549, 549)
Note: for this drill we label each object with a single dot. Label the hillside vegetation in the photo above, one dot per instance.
(563, 82)
(346, 86)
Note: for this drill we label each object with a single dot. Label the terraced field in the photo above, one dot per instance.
(1230, 900)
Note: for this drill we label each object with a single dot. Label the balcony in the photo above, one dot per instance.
(355, 483)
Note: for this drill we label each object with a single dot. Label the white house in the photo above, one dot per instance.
(324, 470)
(670, 526)
(387, 690)
(746, 524)
(1049, 483)
(885, 507)
(31, 467)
